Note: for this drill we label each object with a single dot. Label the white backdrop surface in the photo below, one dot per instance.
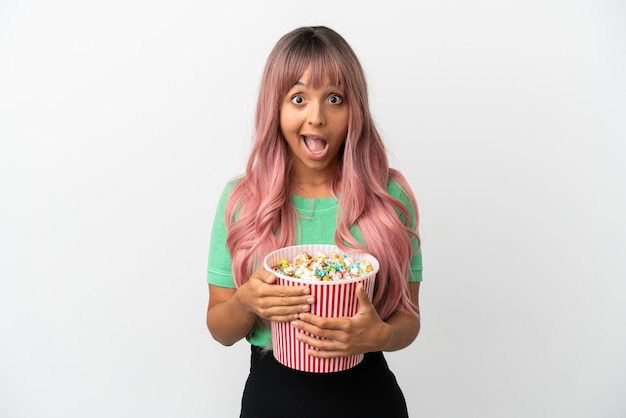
(121, 121)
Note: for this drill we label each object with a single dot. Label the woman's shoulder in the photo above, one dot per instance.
(399, 188)
(393, 187)
(230, 185)
(397, 185)
(227, 191)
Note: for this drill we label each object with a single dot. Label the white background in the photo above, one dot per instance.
(120, 122)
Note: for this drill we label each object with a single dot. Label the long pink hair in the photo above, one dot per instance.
(260, 216)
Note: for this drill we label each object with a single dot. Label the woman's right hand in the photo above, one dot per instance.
(232, 313)
(261, 295)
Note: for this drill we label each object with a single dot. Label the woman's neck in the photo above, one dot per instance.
(311, 190)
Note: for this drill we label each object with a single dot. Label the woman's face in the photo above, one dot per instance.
(314, 123)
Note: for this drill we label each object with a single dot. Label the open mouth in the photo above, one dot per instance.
(315, 144)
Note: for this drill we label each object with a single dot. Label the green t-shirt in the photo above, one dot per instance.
(317, 223)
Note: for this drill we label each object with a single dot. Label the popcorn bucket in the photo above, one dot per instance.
(332, 299)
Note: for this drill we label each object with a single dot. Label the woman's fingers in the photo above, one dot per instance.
(274, 302)
(336, 337)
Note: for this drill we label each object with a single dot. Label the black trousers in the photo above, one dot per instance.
(368, 390)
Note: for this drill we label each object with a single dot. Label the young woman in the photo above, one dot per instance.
(317, 174)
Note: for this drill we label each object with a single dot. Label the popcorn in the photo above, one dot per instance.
(326, 275)
(321, 267)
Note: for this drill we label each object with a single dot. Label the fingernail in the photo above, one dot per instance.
(310, 300)
(294, 324)
(305, 307)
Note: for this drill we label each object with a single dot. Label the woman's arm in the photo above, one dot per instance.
(227, 319)
(362, 333)
(232, 313)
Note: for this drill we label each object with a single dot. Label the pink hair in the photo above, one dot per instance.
(260, 215)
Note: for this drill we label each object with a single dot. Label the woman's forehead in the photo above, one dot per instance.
(316, 76)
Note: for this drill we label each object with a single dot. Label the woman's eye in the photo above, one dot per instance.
(297, 99)
(335, 99)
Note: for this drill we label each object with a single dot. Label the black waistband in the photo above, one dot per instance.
(264, 366)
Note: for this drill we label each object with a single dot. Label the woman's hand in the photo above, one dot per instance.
(270, 301)
(232, 313)
(344, 336)
(362, 333)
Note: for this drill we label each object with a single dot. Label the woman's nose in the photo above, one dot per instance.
(316, 114)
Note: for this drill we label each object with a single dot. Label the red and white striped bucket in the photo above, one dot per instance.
(332, 299)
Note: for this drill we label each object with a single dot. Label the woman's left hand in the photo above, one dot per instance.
(362, 333)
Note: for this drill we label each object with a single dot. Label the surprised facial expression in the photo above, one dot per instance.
(314, 122)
